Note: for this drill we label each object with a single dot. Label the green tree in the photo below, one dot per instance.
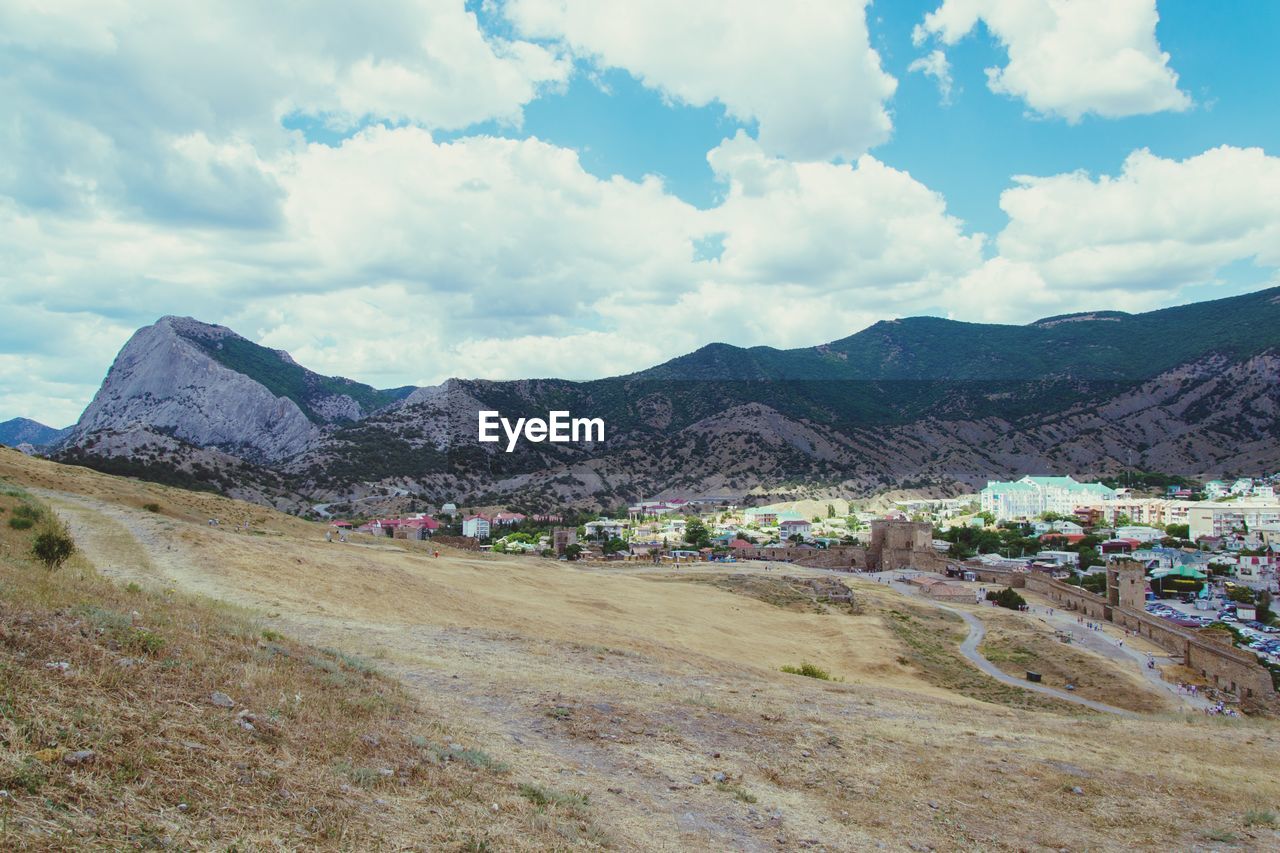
(1007, 598)
(1089, 557)
(1265, 614)
(53, 546)
(696, 533)
(1240, 594)
(573, 551)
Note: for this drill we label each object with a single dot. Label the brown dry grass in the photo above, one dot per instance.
(318, 751)
(636, 693)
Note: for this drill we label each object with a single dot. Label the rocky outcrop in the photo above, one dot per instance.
(165, 382)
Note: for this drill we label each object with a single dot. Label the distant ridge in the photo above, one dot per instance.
(26, 431)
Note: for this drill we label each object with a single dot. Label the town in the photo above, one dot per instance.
(1207, 552)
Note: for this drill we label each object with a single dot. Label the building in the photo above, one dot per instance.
(475, 526)
(562, 538)
(603, 529)
(761, 516)
(1210, 518)
(793, 527)
(1139, 532)
(1033, 496)
(504, 519)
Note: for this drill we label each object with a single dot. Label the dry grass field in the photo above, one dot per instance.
(614, 708)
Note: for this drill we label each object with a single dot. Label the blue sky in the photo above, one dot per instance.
(527, 188)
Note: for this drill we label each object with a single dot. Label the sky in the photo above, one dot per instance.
(405, 191)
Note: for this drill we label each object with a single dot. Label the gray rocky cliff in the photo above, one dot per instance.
(162, 380)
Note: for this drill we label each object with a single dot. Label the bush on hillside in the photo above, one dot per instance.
(1007, 598)
(53, 546)
(808, 670)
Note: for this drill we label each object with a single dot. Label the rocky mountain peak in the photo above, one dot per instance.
(164, 380)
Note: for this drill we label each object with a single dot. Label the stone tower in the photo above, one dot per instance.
(1126, 584)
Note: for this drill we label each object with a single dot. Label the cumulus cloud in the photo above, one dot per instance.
(806, 73)
(1159, 224)
(1128, 241)
(171, 109)
(861, 230)
(1069, 57)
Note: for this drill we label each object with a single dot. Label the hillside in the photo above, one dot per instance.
(591, 706)
(923, 403)
(137, 715)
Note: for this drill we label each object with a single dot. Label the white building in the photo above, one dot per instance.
(792, 527)
(475, 526)
(1139, 532)
(1061, 558)
(1033, 496)
(603, 529)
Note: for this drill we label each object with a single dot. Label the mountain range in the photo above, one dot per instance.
(920, 403)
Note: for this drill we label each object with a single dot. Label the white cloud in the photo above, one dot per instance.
(935, 65)
(855, 231)
(1158, 225)
(1070, 57)
(805, 72)
(170, 109)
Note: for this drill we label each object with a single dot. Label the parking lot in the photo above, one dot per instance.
(1262, 639)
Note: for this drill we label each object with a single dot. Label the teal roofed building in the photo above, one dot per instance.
(1033, 496)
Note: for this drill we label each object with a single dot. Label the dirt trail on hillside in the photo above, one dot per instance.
(637, 754)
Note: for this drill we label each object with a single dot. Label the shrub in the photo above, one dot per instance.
(143, 641)
(19, 523)
(808, 670)
(1007, 598)
(53, 546)
(541, 796)
(152, 507)
(738, 792)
